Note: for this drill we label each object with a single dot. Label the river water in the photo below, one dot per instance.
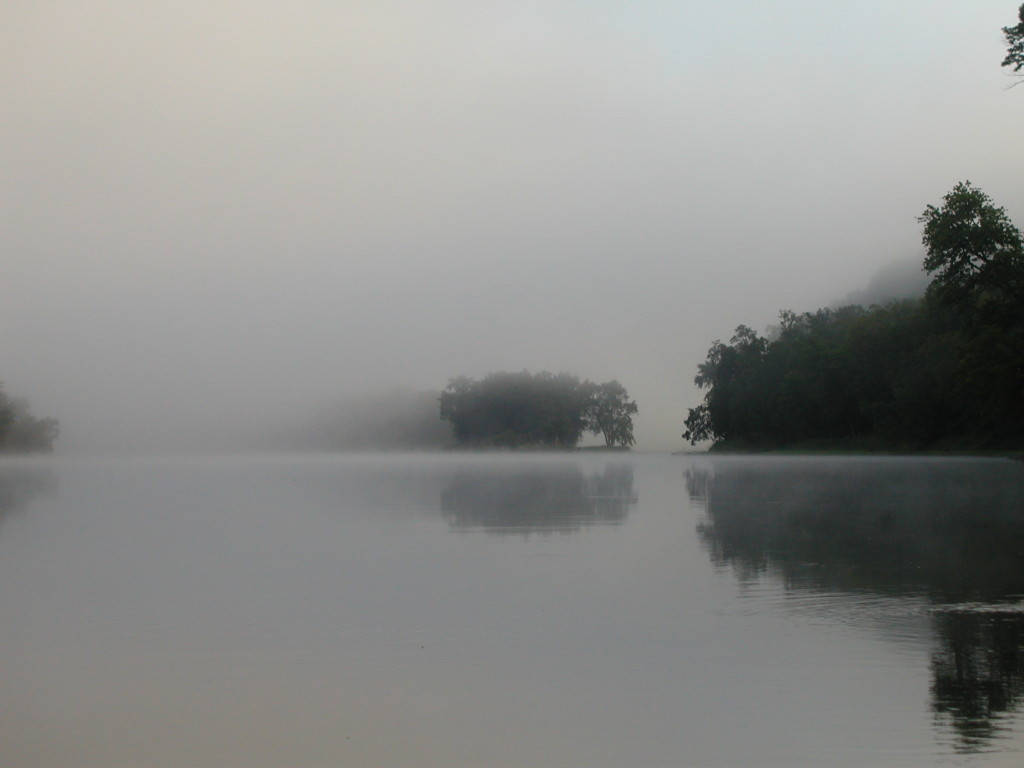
(578, 610)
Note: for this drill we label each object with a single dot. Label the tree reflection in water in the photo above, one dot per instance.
(558, 499)
(951, 532)
(18, 485)
(977, 671)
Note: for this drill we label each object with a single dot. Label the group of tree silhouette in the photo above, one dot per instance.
(20, 431)
(943, 371)
(542, 410)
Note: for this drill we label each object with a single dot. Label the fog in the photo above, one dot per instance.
(218, 218)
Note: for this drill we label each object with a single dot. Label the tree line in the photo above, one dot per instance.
(543, 410)
(944, 371)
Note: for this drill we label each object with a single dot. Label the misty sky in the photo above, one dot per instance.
(215, 215)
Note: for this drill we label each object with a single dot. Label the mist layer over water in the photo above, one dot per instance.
(528, 610)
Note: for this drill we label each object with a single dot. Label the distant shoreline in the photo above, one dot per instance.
(1012, 455)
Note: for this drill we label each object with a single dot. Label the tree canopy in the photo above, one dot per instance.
(1015, 43)
(609, 412)
(943, 371)
(546, 410)
(20, 431)
(973, 249)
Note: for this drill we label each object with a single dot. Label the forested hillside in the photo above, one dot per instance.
(945, 371)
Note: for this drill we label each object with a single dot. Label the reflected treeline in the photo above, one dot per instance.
(544, 499)
(977, 671)
(950, 531)
(18, 486)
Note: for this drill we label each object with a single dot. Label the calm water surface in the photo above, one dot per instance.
(519, 610)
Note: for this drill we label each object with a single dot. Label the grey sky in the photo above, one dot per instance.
(220, 213)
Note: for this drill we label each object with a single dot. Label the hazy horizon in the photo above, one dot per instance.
(218, 218)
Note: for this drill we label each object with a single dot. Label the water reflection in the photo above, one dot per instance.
(950, 533)
(977, 671)
(19, 485)
(953, 531)
(546, 499)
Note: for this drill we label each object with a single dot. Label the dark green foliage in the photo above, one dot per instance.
(974, 251)
(825, 376)
(513, 409)
(609, 412)
(977, 257)
(20, 431)
(1015, 44)
(536, 410)
(946, 371)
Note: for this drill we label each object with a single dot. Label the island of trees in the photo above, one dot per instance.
(942, 372)
(542, 410)
(20, 431)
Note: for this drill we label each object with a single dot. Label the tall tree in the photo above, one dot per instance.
(973, 249)
(610, 413)
(977, 256)
(734, 404)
